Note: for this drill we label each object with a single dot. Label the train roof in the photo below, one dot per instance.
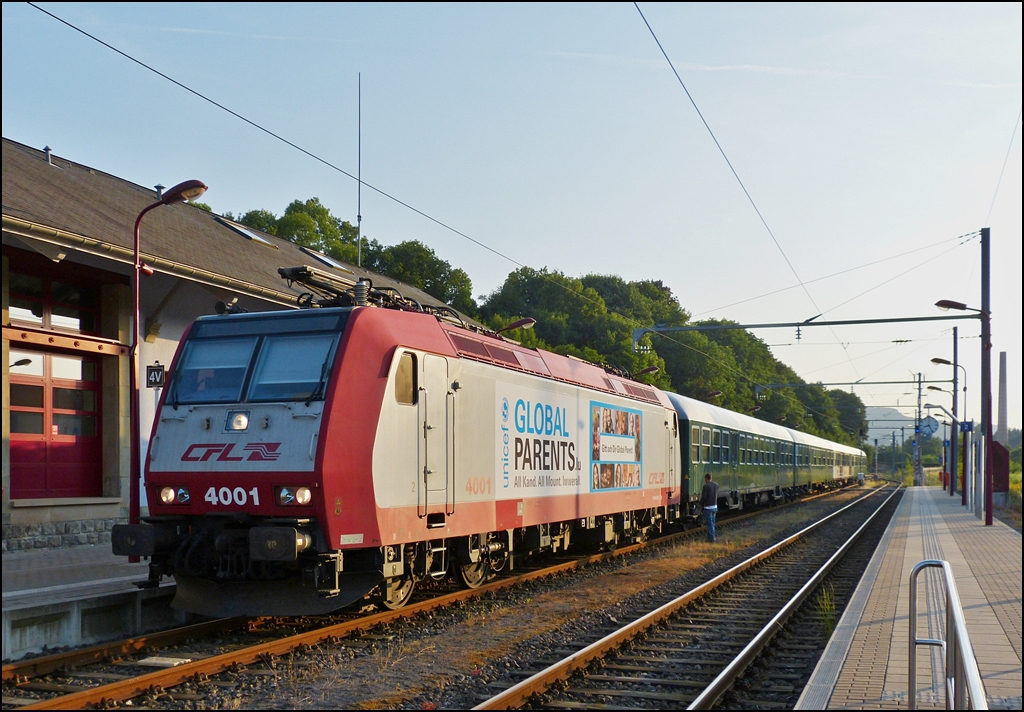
(691, 409)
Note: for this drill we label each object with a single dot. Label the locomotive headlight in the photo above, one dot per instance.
(174, 495)
(294, 496)
(237, 420)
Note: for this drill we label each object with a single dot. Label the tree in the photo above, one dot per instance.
(417, 265)
(262, 220)
(310, 223)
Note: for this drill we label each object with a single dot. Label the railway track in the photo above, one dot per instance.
(154, 664)
(692, 650)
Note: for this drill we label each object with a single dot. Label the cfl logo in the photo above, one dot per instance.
(258, 452)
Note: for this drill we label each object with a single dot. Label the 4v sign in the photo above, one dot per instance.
(155, 376)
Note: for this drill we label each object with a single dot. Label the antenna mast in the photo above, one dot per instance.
(359, 177)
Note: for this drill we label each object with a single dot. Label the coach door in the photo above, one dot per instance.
(437, 404)
(672, 425)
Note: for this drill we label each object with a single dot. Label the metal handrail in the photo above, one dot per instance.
(964, 688)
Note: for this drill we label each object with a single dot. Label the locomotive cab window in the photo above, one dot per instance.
(262, 359)
(405, 379)
(212, 371)
(292, 368)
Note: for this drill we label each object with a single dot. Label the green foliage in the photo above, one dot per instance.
(573, 318)
(593, 318)
(263, 220)
(415, 264)
(201, 206)
(310, 224)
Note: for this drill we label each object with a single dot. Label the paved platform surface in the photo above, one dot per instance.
(865, 664)
(51, 573)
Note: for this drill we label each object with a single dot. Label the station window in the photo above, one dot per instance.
(716, 446)
(695, 444)
(405, 379)
(705, 444)
(53, 304)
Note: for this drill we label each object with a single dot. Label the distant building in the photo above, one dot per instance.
(67, 256)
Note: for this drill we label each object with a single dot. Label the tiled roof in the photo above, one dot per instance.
(76, 199)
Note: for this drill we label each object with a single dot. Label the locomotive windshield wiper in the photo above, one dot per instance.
(318, 391)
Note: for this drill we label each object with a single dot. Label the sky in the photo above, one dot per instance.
(558, 136)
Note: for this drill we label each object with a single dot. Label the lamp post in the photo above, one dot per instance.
(955, 427)
(956, 433)
(951, 458)
(189, 190)
(986, 371)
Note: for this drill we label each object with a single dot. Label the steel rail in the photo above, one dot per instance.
(519, 693)
(725, 679)
(43, 665)
(133, 687)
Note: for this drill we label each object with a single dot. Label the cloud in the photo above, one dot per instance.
(689, 66)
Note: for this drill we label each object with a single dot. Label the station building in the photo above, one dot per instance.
(67, 320)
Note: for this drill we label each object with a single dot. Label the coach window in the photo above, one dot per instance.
(405, 379)
(695, 444)
(716, 446)
(725, 447)
(705, 444)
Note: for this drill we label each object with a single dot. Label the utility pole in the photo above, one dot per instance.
(359, 171)
(986, 370)
(893, 453)
(956, 430)
(918, 472)
(903, 449)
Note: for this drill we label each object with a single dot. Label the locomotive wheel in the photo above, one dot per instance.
(395, 593)
(473, 575)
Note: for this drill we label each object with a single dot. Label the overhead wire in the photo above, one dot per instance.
(841, 272)
(385, 194)
(381, 192)
(894, 278)
(734, 173)
(1003, 169)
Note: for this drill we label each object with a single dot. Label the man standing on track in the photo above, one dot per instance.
(709, 504)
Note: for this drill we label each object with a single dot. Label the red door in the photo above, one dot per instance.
(56, 448)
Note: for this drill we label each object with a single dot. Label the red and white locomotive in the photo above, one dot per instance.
(302, 459)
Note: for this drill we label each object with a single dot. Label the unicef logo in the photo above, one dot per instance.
(504, 410)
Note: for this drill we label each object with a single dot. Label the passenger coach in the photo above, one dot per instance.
(754, 461)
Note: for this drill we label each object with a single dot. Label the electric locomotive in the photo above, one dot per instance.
(301, 460)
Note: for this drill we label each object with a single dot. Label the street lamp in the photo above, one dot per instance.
(953, 440)
(956, 435)
(524, 323)
(189, 190)
(986, 370)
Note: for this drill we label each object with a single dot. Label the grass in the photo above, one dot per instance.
(931, 476)
(1013, 508)
(825, 606)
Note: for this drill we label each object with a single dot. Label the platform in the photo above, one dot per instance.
(865, 663)
(76, 596)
